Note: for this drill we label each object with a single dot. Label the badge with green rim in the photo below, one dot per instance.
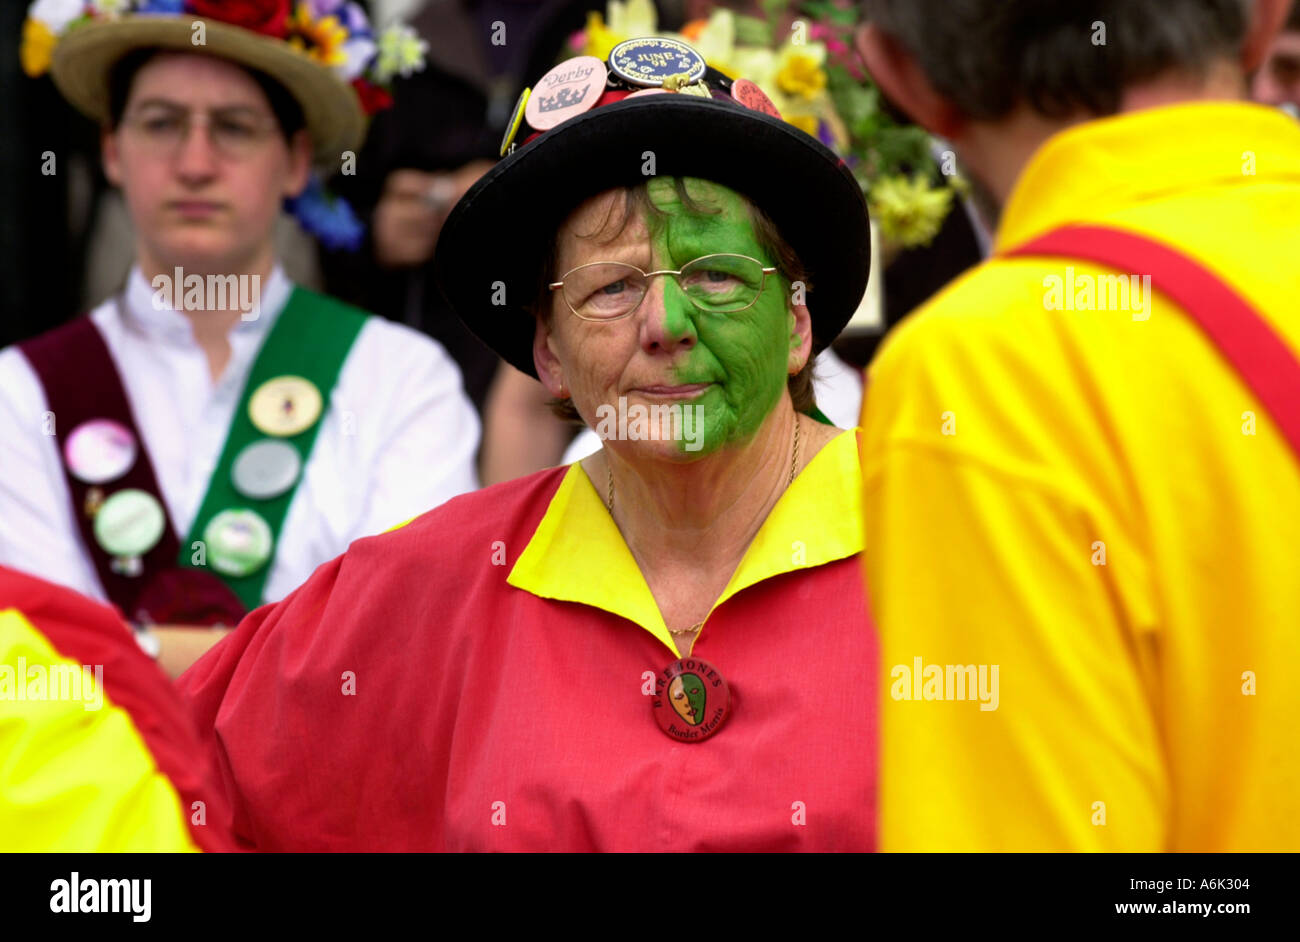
(648, 61)
(238, 541)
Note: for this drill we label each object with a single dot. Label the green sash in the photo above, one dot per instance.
(311, 338)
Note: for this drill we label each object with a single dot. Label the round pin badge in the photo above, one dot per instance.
(285, 405)
(753, 97)
(266, 469)
(691, 701)
(130, 523)
(99, 451)
(239, 542)
(566, 91)
(647, 62)
(516, 119)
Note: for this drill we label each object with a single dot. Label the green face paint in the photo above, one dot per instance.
(686, 693)
(744, 354)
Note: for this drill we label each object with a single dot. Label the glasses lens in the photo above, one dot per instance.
(723, 283)
(235, 136)
(604, 290)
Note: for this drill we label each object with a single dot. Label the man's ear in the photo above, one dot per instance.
(801, 338)
(300, 154)
(1266, 19)
(546, 362)
(901, 80)
(109, 156)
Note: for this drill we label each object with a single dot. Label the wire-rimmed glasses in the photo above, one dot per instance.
(723, 283)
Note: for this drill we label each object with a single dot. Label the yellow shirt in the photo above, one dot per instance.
(1094, 502)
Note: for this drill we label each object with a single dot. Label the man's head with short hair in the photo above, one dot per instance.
(997, 77)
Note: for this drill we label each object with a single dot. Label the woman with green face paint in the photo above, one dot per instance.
(667, 265)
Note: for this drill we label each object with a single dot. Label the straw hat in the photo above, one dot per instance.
(85, 57)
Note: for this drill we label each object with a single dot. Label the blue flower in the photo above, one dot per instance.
(161, 6)
(326, 216)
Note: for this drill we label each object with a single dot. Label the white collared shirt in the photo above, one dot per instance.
(399, 437)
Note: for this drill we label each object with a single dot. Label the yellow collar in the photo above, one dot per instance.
(1103, 166)
(577, 553)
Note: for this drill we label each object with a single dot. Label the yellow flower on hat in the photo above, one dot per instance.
(600, 39)
(37, 48)
(909, 212)
(632, 19)
(322, 39)
(800, 74)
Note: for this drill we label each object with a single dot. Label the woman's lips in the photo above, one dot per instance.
(673, 392)
(195, 207)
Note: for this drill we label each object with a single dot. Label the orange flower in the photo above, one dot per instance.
(321, 39)
(37, 48)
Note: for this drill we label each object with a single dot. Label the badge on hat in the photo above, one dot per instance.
(99, 451)
(691, 700)
(566, 91)
(285, 405)
(753, 97)
(516, 119)
(648, 62)
(127, 525)
(239, 542)
(265, 469)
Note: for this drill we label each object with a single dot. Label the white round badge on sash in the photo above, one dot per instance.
(130, 523)
(99, 450)
(239, 542)
(265, 469)
(285, 405)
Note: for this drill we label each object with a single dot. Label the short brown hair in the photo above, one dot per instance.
(636, 199)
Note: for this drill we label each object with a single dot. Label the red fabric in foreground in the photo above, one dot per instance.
(88, 633)
(487, 719)
(1266, 364)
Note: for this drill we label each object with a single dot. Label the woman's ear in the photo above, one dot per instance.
(549, 370)
(801, 338)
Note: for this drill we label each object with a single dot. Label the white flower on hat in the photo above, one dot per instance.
(401, 52)
(56, 14)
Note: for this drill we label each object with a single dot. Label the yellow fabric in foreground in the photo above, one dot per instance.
(577, 553)
(1095, 502)
(72, 778)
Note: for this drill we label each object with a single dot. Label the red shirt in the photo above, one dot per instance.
(459, 684)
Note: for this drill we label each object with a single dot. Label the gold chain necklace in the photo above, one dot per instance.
(609, 505)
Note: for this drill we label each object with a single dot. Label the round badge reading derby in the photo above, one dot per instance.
(691, 700)
(569, 89)
(130, 523)
(649, 61)
(99, 451)
(516, 119)
(266, 469)
(285, 405)
(238, 541)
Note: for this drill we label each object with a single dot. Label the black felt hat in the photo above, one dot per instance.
(495, 242)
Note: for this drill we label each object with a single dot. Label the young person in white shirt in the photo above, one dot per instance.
(259, 463)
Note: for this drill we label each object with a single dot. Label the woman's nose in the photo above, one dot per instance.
(667, 321)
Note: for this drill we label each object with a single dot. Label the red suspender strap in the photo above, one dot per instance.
(1263, 360)
(81, 383)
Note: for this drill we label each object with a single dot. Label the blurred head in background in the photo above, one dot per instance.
(1277, 82)
(998, 77)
